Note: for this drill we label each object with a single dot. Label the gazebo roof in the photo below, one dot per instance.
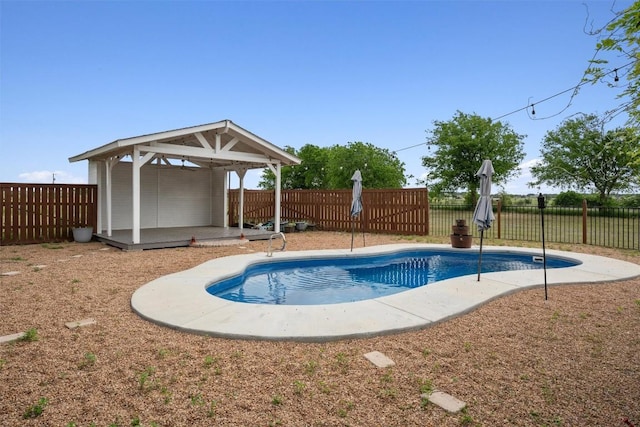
(222, 144)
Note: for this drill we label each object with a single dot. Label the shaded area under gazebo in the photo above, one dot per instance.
(174, 237)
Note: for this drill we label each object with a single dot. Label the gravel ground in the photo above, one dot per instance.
(573, 360)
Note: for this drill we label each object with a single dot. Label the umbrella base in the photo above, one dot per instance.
(461, 241)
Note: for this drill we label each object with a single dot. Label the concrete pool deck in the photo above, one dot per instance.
(180, 300)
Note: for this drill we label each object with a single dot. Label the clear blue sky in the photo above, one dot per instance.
(78, 74)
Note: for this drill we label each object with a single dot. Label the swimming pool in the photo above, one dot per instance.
(181, 301)
(348, 279)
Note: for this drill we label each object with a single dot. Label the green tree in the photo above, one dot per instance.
(580, 155)
(289, 175)
(380, 168)
(461, 145)
(310, 173)
(314, 166)
(568, 199)
(333, 167)
(622, 37)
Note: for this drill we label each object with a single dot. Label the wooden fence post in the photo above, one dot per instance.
(428, 213)
(584, 221)
(499, 212)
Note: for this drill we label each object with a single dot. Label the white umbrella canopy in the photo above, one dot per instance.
(356, 201)
(483, 214)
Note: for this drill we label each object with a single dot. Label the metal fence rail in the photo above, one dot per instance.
(599, 226)
(613, 227)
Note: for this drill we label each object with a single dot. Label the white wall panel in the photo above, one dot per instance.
(121, 193)
(170, 197)
(149, 196)
(218, 207)
(184, 197)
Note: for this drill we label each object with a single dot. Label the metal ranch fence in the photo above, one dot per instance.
(600, 226)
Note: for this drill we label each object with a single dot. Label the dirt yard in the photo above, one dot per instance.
(516, 361)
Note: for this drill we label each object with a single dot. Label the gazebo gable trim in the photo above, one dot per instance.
(269, 151)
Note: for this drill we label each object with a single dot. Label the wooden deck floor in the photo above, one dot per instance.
(173, 237)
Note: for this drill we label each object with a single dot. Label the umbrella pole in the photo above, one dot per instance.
(480, 256)
(353, 229)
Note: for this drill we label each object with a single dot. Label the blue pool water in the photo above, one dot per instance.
(348, 279)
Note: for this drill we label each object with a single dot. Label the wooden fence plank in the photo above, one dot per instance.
(36, 213)
(401, 211)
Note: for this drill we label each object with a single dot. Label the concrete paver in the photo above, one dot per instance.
(80, 323)
(11, 338)
(445, 401)
(10, 273)
(379, 359)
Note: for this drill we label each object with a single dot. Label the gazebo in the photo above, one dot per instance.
(178, 178)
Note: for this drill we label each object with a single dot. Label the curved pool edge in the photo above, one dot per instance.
(180, 300)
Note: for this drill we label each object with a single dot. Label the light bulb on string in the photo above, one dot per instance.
(616, 78)
(533, 109)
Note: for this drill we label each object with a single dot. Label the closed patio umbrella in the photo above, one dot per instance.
(356, 202)
(483, 214)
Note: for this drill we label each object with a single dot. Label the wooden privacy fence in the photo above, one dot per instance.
(393, 211)
(35, 213)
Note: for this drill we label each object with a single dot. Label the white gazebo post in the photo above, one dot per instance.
(226, 185)
(277, 170)
(109, 164)
(94, 178)
(241, 173)
(107, 190)
(135, 185)
(138, 162)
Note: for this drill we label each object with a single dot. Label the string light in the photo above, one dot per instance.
(574, 89)
(533, 111)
